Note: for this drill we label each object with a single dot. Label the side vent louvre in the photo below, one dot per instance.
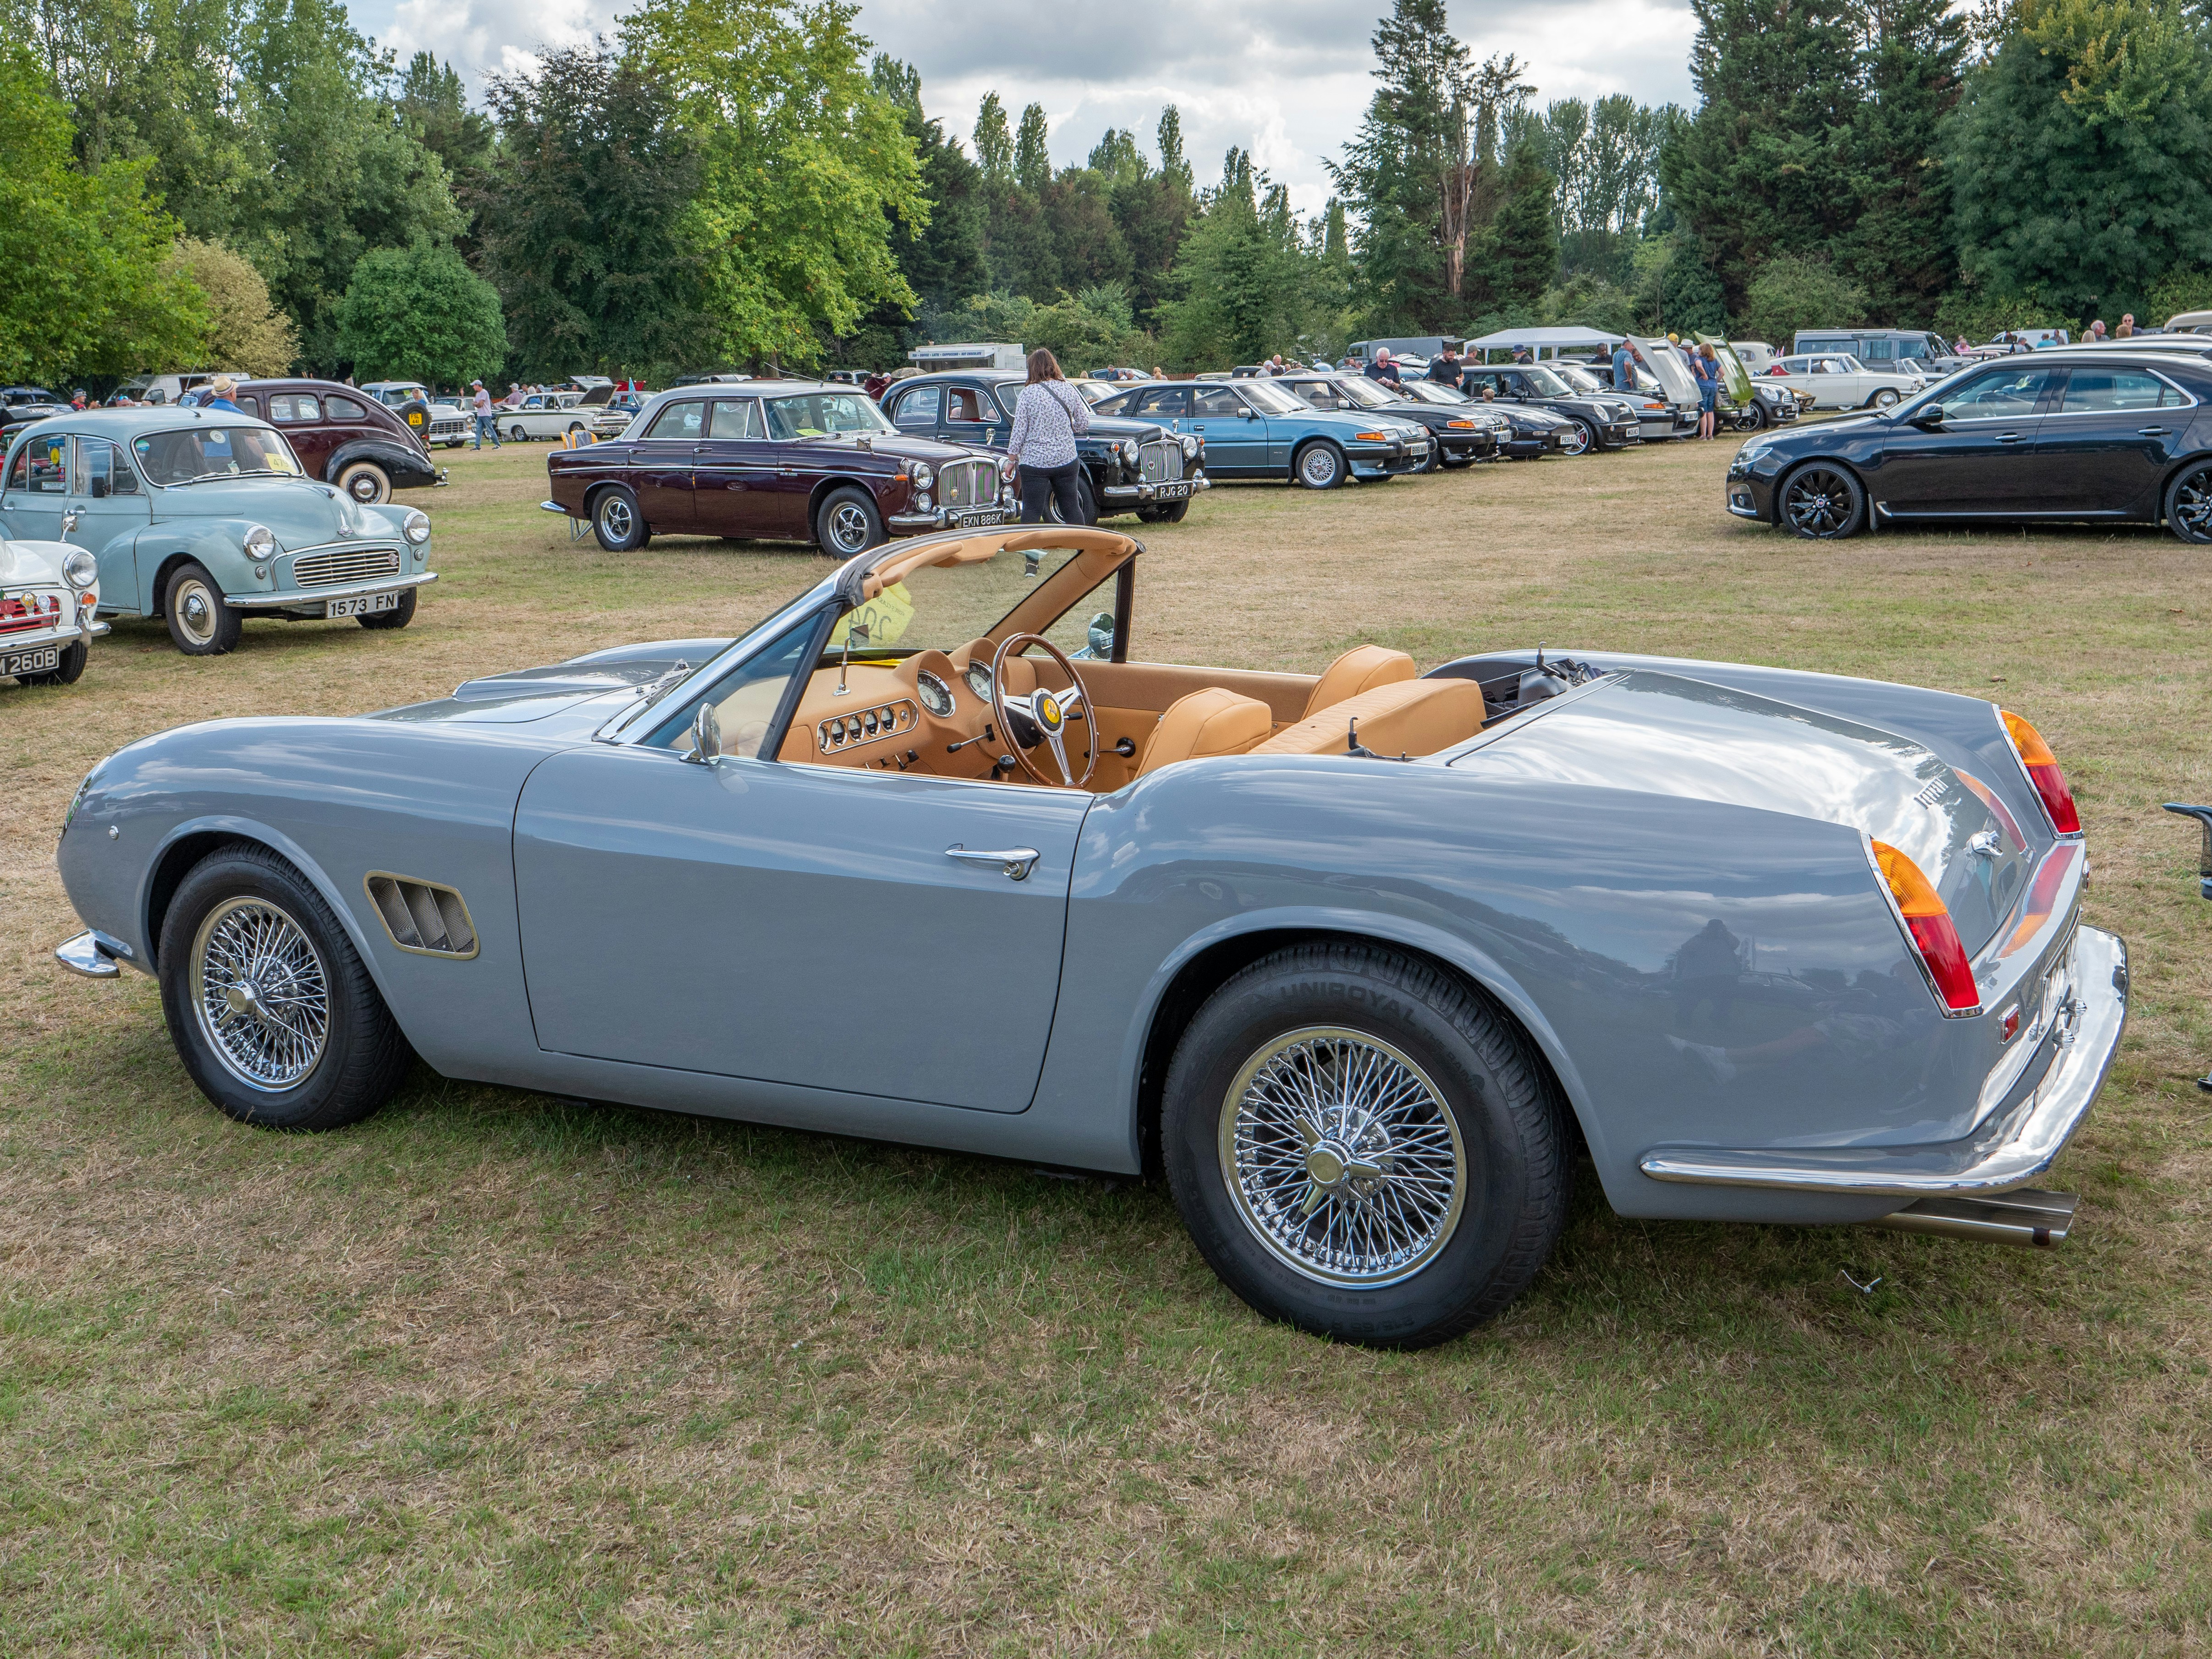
(421, 915)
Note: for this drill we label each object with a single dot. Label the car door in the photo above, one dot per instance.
(1234, 432)
(39, 480)
(111, 505)
(1981, 459)
(918, 410)
(2110, 435)
(972, 416)
(800, 925)
(298, 415)
(661, 466)
(734, 485)
(1164, 405)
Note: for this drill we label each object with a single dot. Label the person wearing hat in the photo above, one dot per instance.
(78, 400)
(487, 423)
(219, 395)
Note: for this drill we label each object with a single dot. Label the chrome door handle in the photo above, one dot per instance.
(1016, 862)
(2007, 437)
(2150, 432)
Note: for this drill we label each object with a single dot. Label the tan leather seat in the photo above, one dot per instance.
(1209, 722)
(1360, 669)
(1411, 717)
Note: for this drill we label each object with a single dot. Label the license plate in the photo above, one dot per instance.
(979, 518)
(367, 604)
(31, 662)
(1174, 492)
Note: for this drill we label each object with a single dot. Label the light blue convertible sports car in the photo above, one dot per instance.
(1366, 961)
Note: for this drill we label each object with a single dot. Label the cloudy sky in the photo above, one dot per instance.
(1286, 78)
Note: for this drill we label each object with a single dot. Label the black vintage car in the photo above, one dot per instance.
(1128, 465)
(1603, 420)
(2086, 433)
(1464, 432)
(793, 460)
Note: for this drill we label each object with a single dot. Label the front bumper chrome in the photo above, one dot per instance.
(84, 628)
(2007, 1153)
(94, 954)
(306, 596)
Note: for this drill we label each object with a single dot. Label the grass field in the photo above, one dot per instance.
(493, 1374)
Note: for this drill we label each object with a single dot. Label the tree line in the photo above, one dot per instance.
(253, 184)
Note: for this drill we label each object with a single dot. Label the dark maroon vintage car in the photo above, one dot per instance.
(795, 460)
(343, 436)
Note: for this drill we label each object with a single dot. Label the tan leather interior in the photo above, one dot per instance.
(1410, 717)
(1360, 669)
(1214, 721)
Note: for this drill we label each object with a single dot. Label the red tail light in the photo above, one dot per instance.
(1929, 923)
(2042, 769)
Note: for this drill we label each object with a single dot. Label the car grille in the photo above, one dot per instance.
(20, 612)
(449, 429)
(358, 564)
(1160, 462)
(967, 483)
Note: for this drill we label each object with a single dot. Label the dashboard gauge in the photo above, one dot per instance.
(936, 695)
(979, 679)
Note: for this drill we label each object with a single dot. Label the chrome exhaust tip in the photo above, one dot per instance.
(2036, 1219)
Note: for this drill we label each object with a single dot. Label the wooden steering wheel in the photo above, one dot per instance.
(1049, 712)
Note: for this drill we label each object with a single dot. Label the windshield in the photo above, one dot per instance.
(1578, 379)
(31, 394)
(1265, 394)
(1433, 391)
(213, 451)
(1544, 383)
(949, 608)
(821, 414)
(1366, 392)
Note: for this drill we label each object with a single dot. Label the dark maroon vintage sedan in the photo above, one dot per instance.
(343, 436)
(796, 461)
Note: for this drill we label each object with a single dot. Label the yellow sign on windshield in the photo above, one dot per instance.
(885, 618)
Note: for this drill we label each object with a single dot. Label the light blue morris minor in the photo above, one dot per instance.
(202, 518)
(1371, 964)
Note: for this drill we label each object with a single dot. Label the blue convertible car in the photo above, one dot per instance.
(1365, 962)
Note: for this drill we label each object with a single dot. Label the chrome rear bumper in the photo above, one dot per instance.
(2005, 1153)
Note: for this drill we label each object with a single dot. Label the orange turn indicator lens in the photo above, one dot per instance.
(2042, 769)
(1929, 922)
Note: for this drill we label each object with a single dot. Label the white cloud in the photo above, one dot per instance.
(1286, 79)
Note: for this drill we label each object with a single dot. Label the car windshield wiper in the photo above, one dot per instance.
(236, 472)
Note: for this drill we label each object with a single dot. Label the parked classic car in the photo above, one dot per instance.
(1603, 420)
(611, 418)
(1317, 946)
(544, 414)
(1838, 381)
(1531, 432)
(1128, 465)
(794, 460)
(2069, 433)
(343, 438)
(203, 517)
(1257, 430)
(49, 596)
(438, 422)
(1462, 433)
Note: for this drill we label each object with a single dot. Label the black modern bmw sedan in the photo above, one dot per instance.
(2079, 434)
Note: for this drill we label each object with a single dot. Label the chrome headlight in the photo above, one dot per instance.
(416, 527)
(922, 474)
(80, 569)
(259, 541)
(1189, 445)
(1128, 451)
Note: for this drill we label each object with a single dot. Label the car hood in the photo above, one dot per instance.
(1126, 426)
(29, 562)
(1666, 734)
(299, 511)
(898, 445)
(573, 698)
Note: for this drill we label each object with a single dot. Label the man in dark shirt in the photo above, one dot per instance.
(1380, 368)
(1444, 368)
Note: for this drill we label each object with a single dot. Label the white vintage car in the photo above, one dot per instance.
(1838, 381)
(48, 593)
(544, 414)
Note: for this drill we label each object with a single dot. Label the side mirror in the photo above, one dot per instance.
(706, 736)
(1251, 415)
(1102, 636)
(1929, 419)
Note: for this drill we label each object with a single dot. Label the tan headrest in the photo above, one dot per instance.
(1413, 717)
(1209, 722)
(1360, 669)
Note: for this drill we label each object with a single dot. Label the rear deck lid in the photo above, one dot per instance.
(1671, 735)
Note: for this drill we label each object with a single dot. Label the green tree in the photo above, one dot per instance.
(88, 284)
(1246, 273)
(1516, 255)
(994, 143)
(420, 314)
(1901, 248)
(1762, 167)
(246, 330)
(942, 257)
(585, 221)
(432, 107)
(1032, 154)
(803, 166)
(1793, 292)
(2081, 161)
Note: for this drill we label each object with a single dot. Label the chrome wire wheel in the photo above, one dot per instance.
(1319, 467)
(1343, 1157)
(261, 994)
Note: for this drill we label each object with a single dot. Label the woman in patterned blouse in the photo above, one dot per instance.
(1049, 416)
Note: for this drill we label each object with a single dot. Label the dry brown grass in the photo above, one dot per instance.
(498, 1374)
